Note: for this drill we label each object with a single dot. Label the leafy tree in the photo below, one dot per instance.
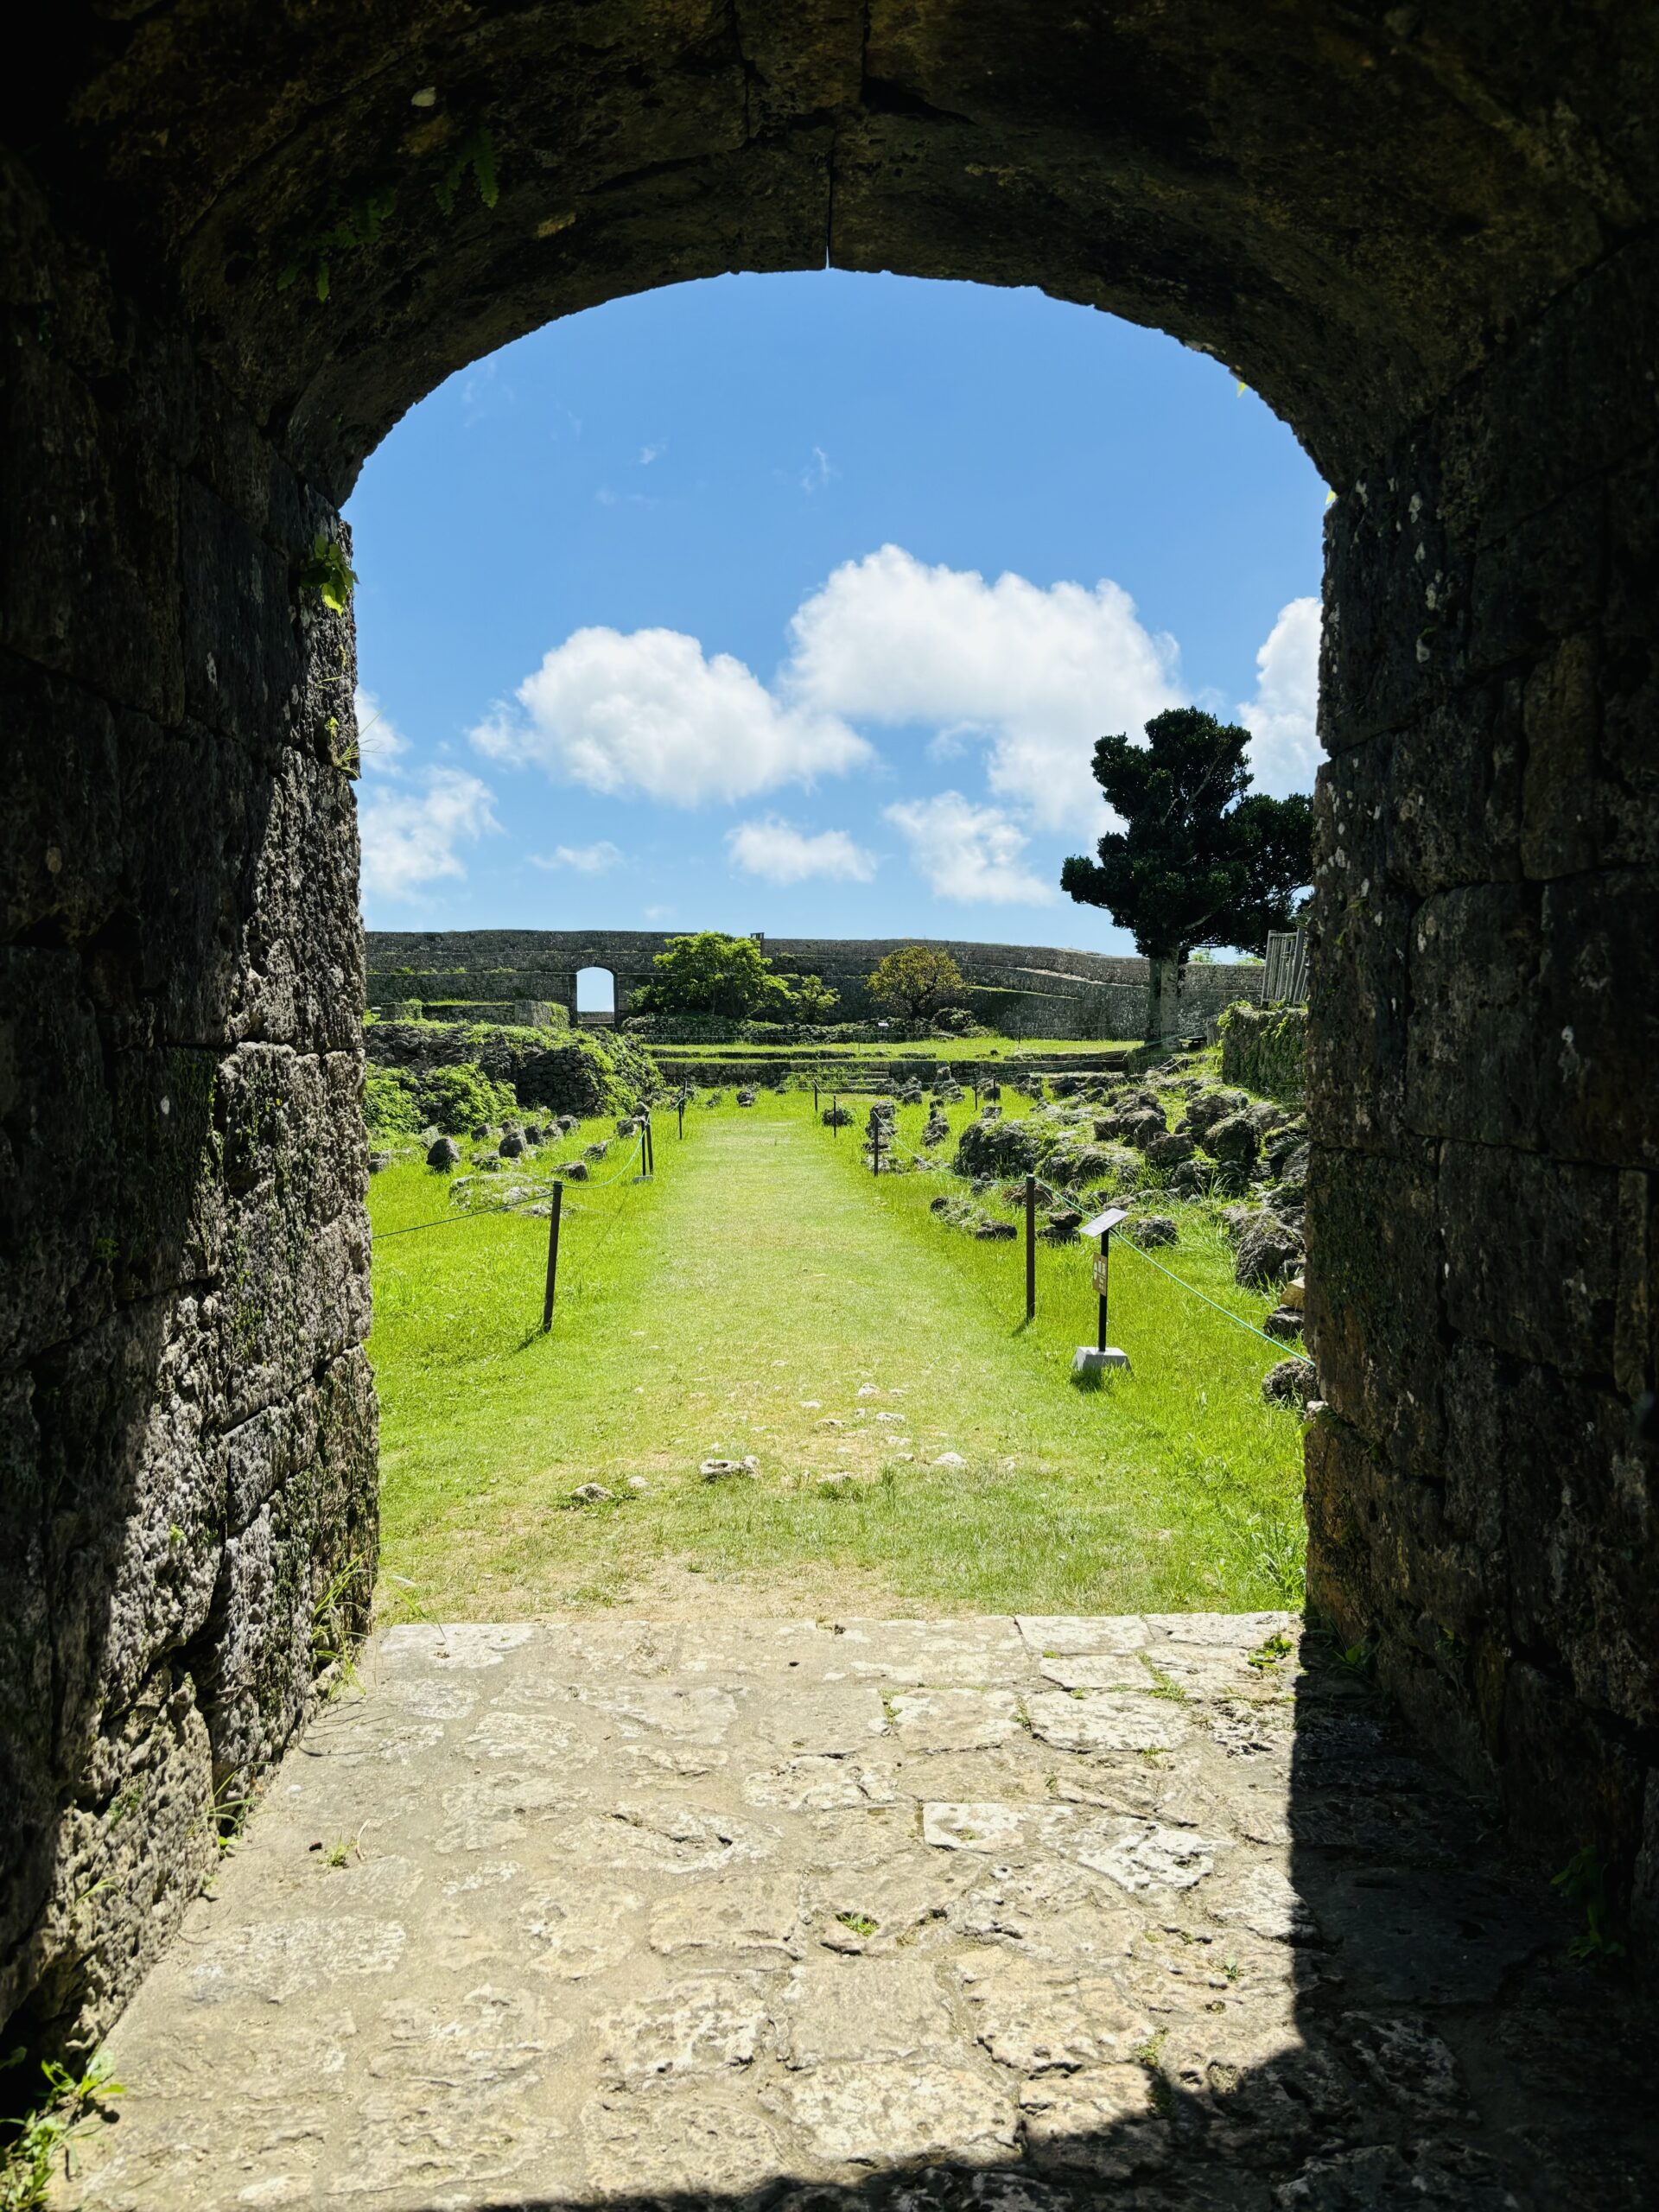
(813, 1000)
(712, 973)
(1197, 861)
(915, 980)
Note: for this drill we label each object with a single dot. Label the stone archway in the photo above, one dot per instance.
(596, 997)
(242, 242)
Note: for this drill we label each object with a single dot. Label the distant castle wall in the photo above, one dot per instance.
(1035, 990)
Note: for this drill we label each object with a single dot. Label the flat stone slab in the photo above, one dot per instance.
(1028, 1915)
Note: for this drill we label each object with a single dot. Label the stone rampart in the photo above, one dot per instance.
(1028, 989)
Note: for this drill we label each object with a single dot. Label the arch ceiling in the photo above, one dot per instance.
(1346, 204)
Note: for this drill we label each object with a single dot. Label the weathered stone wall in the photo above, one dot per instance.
(1483, 1038)
(1041, 990)
(1265, 1048)
(187, 1437)
(1422, 235)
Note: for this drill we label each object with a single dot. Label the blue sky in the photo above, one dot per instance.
(796, 603)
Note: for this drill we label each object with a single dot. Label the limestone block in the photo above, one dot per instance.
(1373, 1299)
(1547, 1290)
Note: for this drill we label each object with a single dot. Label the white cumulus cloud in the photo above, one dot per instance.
(409, 834)
(1283, 717)
(650, 713)
(1039, 674)
(782, 854)
(969, 852)
(585, 860)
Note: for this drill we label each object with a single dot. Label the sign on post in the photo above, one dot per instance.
(1094, 1359)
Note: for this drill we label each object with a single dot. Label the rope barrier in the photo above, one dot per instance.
(483, 1213)
(1237, 1321)
(1072, 1198)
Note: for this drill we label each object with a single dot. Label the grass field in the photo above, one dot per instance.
(940, 1050)
(766, 1295)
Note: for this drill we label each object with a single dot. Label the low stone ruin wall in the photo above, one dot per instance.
(1265, 1048)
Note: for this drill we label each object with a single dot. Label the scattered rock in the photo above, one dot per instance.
(1295, 1294)
(592, 1494)
(378, 1162)
(837, 1117)
(995, 1147)
(1170, 1150)
(1144, 1127)
(746, 1097)
(1148, 1229)
(1062, 1228)
(445, 1154)
(1211, 1107)
(1290, 1383)
(1292, 1170)
(1234, 1140)
(512, 1145)
(995, 1232)
(1284, 1321)
(722, 1471)
(575, 1171)
(597, 1150)
(1268, 1251)
(949, 1460)
(1077, 1165)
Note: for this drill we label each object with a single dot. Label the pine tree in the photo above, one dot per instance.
(1200, 860)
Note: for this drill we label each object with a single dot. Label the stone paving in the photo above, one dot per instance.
(1029, 1915)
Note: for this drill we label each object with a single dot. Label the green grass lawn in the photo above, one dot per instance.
(766, 1295)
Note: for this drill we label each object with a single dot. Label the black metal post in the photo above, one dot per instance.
(649, 1160)
(682, 1116)
(1031, 1247)
(552, 1256)
(835, 1108)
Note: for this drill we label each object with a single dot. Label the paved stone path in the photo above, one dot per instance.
(1031, 1916)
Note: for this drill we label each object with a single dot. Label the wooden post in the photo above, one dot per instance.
(552, 1256)
(1031, 1247)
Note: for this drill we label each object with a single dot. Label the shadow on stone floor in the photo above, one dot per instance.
(913, 1916)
